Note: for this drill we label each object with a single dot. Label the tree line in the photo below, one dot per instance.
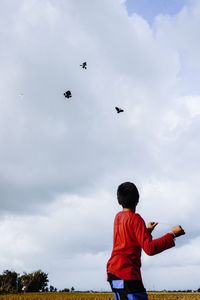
(12, 282)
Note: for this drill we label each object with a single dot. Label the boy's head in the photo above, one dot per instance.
(128, 195)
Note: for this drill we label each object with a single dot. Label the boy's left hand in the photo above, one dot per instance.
(152, 225)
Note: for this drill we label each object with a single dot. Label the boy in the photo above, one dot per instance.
(131, 236)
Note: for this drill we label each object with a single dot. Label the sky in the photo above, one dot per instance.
(63, 159)
(150, 9)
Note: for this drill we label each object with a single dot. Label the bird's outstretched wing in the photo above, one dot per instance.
(119, 110)
(84, 65)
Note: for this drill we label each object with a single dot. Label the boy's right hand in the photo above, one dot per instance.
(177, 231)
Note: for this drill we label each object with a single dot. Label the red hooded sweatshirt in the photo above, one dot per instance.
(130, 237)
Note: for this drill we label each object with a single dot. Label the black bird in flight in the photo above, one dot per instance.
(67, 94)
(84, 65)
(119, 110)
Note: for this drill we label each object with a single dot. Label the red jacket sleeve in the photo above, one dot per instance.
(148, 244)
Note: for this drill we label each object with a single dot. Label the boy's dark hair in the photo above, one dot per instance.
(127, 195)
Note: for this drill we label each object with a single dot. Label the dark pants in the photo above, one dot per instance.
(127, 290)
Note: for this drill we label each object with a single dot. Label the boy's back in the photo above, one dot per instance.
(130, 236)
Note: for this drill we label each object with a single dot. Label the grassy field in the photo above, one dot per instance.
(97, 296)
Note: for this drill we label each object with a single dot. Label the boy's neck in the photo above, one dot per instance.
(129, 209)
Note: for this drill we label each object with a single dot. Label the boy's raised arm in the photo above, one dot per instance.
(154, 246)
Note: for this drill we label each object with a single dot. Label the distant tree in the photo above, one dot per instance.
(34, 282)
(52, 289)
(72, 289)
(9, 282)
(65, 290)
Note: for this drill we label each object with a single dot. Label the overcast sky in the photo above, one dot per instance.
(62, 159)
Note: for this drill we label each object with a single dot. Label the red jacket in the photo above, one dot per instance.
(130, 237)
